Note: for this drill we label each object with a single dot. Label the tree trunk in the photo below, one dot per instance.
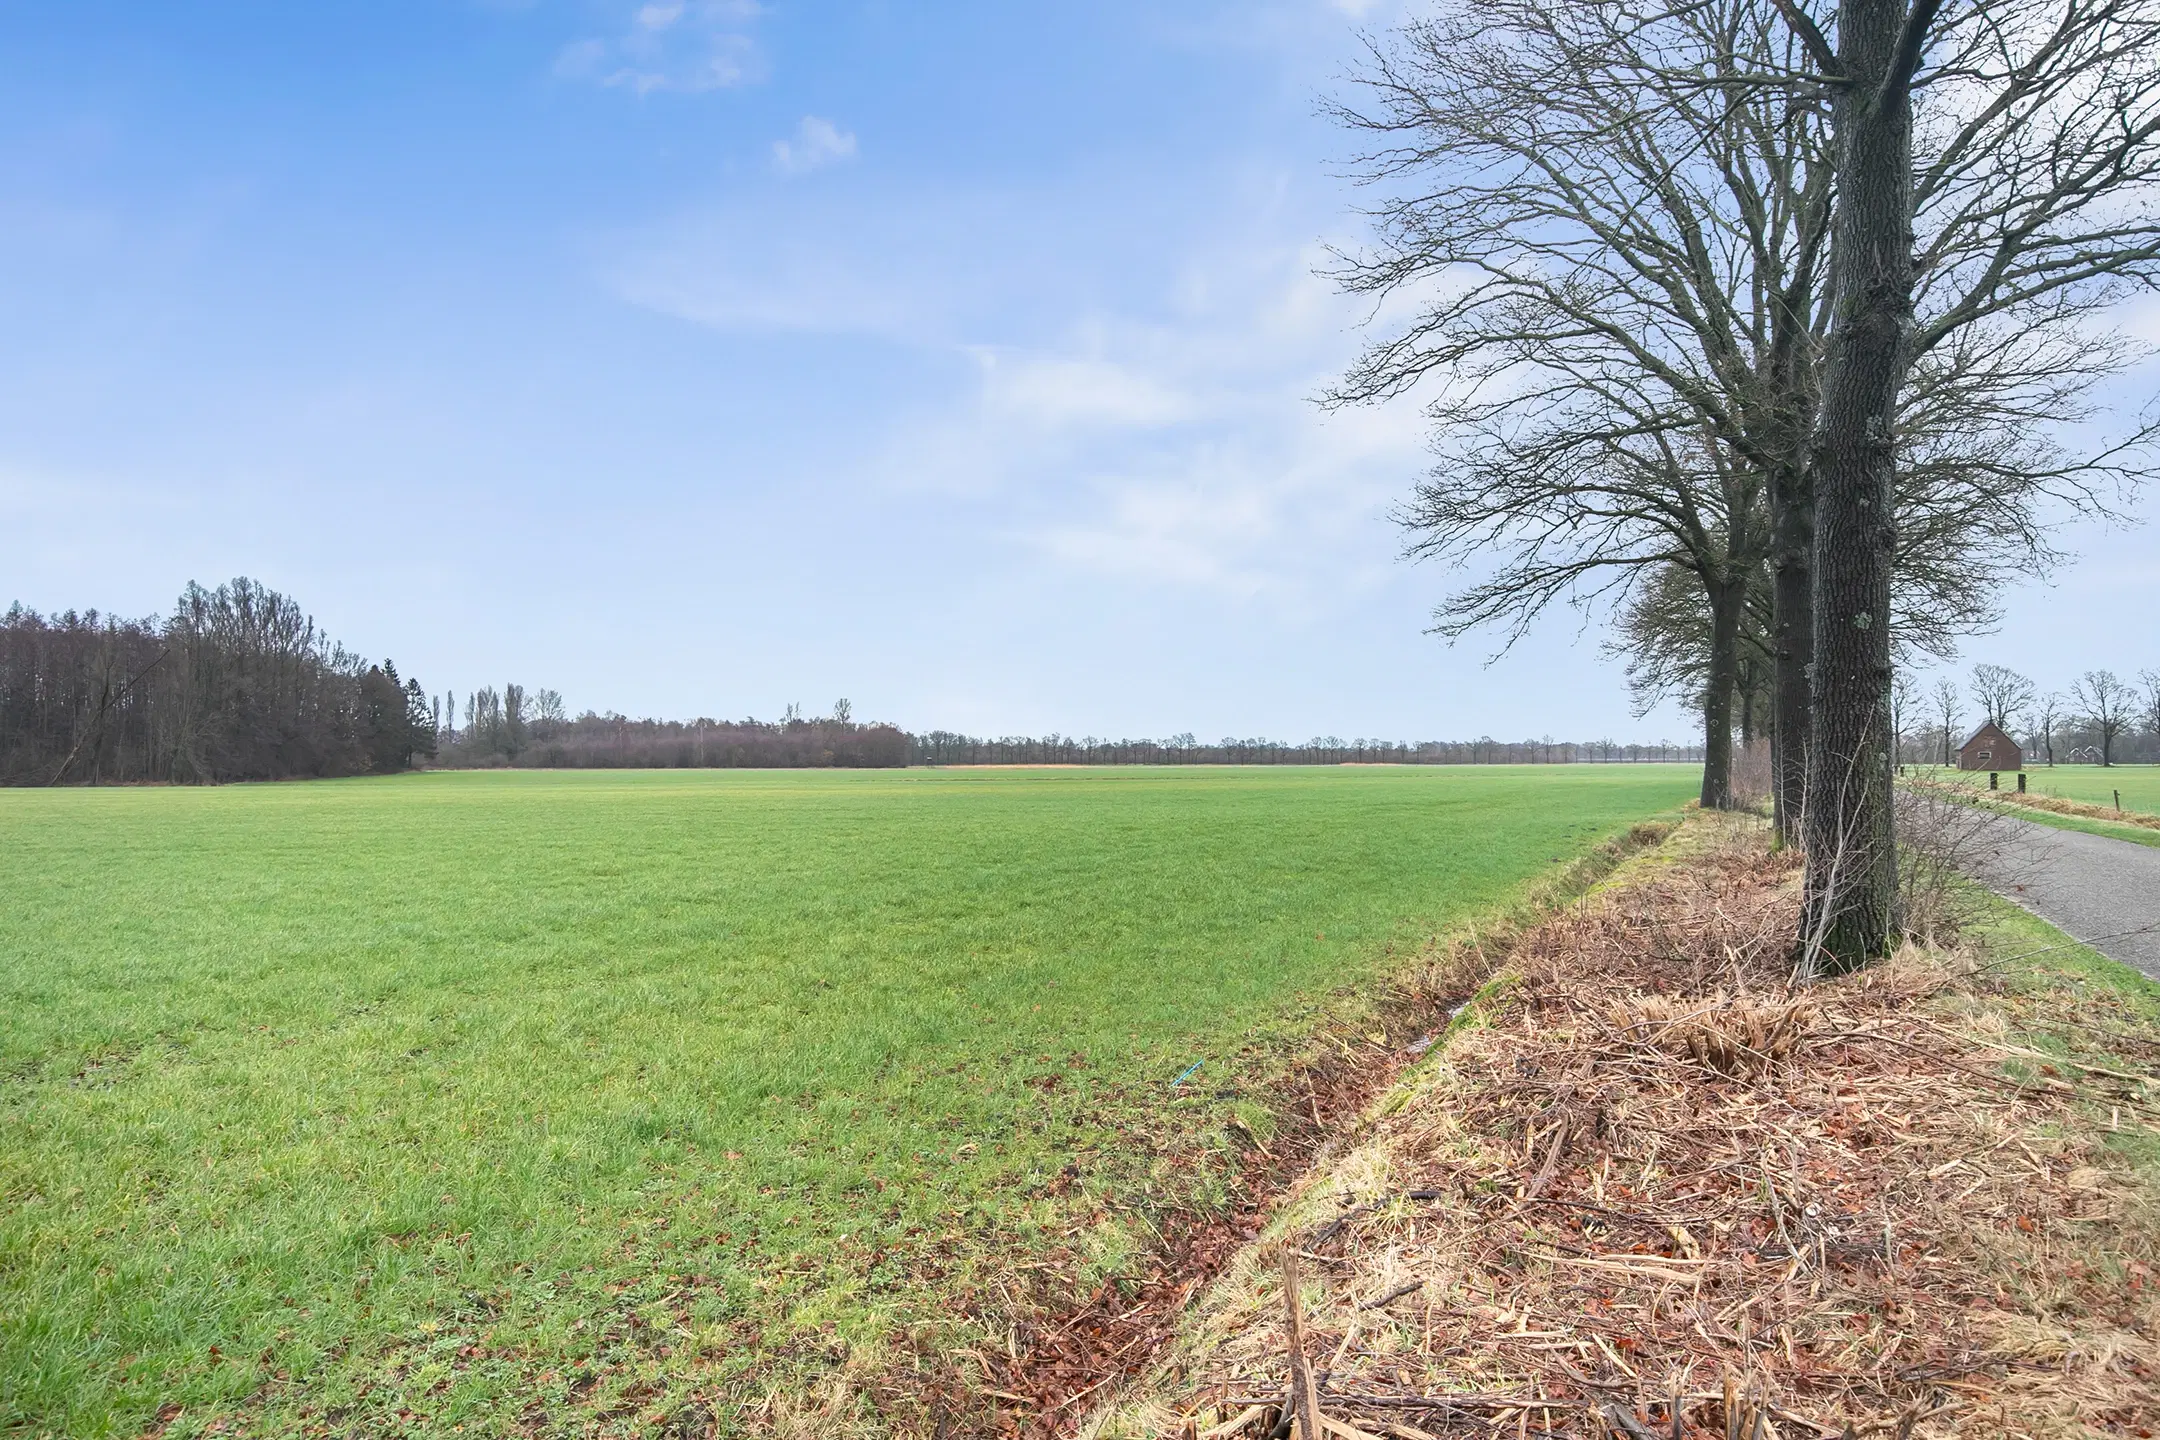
(1792, 546)
(1727, 599)
(1851, 882)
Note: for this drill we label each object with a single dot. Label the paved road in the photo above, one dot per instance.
(2105, 892)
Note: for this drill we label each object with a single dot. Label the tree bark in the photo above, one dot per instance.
(1727, 599)
(1792, 521)
(1851, 882)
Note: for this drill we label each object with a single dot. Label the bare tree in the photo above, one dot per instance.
(513, 720)
(1642, 251)
(484, 719)
(1609, 513)
(2048, 711)
(2001, 693)
(2105, 703)
(237, 683)
(2041, 117)
(1851, 878)
(1625, 221)
(2150, 679)
(545, 714)
(1663, 634)
(1946, 709)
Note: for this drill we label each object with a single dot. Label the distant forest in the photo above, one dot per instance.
(940, 747)
(511, 728)
(238, 683)
(235, 684)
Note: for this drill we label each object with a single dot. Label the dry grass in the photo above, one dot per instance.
(1651, 1191)
(2054, 804)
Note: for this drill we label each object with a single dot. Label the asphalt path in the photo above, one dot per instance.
(2103, 891)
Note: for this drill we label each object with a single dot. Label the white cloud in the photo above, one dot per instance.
(1147, 422)
(801, 258)
(1065, 391)
(1272, 499)
(685, 45)
(817, 142)
(1181, 450)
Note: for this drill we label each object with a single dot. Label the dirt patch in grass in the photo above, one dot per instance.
(1649, 1189)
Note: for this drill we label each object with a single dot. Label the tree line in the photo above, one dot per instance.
(1760, 325)
(511, 729)
(516, 728)
(943, 747)
(2101, 719)
(237, 683)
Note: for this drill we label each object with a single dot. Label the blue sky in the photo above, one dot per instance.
(705, 357)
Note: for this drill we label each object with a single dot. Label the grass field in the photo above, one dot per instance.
(505, 1101)
(2096, 785)
(2093, 784)
(2138, 786)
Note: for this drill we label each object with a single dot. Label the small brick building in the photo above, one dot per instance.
(1991, 749)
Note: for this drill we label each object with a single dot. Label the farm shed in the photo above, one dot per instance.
(1991, 749)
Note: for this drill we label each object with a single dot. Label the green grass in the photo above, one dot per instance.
(516, 1100)
(2113, 1015)
(2029, 951)
(2135, 834)
(2096, 785)
(2092, 784)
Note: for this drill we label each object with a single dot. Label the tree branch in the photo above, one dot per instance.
(1911, 42)
(1811, 37)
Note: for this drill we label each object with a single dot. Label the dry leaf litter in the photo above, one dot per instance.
(1647, 1189)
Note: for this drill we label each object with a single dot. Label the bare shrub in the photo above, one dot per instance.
(1751, 776)
(1943, 840)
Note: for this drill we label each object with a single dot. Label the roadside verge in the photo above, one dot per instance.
(2052, 810)
(1645, 1188)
